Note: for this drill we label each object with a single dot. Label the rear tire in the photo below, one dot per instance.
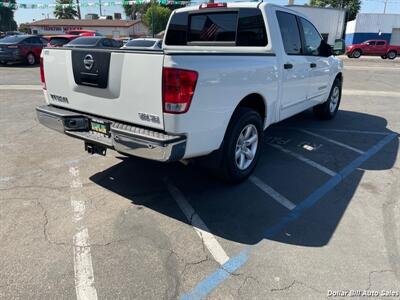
(356, 53)
(328, 109)
(3, 62)
(241, 146)
(349, 55)
(392, 54)
(30, 59)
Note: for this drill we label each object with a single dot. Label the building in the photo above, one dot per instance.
(374, 27)
(109, 28)
(330, 22)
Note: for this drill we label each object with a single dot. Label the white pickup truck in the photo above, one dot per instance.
(226, 72)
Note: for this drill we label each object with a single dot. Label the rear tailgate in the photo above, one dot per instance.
(120, 85)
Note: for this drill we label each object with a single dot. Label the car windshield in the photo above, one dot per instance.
(12, 39)
(140, 43)
(59, 41)
(88, 41)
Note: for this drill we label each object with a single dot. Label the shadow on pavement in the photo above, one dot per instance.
(243, 213)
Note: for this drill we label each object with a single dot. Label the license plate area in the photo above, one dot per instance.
(100, 127)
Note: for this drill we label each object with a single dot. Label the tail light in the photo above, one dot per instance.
(178, 89)
(42, 78)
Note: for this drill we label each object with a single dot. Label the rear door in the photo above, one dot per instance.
(119, 85)
(295, 66)
(318, 65)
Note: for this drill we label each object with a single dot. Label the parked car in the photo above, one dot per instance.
(83, 32)
(227, 71)
(93, 42)
(21, 48)
(144, 43)
(373, 48)
(60, 40)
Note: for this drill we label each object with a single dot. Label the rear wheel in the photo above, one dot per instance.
(241, 147)
(328, 109)
(356, 53)
(30, 59)
(392, 54)
(3, 62)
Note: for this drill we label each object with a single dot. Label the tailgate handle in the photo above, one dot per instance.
(313, 65)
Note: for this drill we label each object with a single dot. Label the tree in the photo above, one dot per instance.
(161, 16)
(353, 6)
(65, 10)
(132, 9)
(7, 22)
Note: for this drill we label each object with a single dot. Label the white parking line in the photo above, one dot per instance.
(306, 160)
(332, 141)
(348, 92)
(83, 267)
(199, 226)
(349, 131)
(20, 87)
(272, 193)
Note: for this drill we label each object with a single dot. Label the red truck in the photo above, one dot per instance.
(373, 48)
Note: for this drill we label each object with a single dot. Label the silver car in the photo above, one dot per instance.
(144, 43)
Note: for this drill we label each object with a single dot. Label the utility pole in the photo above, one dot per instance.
(384, 9)
(78, 9)
(100, 8)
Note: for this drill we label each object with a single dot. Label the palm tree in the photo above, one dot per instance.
(65, 10)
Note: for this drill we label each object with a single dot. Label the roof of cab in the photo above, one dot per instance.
(252, 4)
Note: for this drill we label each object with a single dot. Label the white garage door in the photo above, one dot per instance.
(395, 39)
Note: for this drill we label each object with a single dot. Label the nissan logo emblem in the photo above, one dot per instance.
(88, 62)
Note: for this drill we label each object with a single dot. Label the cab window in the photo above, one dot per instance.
(290, 32)
(312, 38)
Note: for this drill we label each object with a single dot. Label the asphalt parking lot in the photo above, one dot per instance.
(320, 215)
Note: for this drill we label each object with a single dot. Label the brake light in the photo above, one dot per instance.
(213, 5)
(12, 46)
(42, 78)
(178, 89)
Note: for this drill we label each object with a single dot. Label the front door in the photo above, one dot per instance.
(319, 66)
(295, 68)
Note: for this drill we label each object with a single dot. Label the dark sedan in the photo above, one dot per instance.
(94, 42)
(21, 48)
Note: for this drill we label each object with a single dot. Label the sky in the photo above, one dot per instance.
(28, 15)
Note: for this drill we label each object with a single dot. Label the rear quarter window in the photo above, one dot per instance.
(243, 27)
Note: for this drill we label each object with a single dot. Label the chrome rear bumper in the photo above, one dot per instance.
(124, 138)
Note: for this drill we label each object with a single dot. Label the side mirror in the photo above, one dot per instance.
(339, 48)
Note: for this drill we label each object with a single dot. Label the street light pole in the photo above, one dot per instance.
(384, 9)
(152, 21)
(100, 8)
(79, 9)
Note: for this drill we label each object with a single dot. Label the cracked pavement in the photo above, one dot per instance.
(142, 245)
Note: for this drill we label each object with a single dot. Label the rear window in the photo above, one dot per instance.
(243, 27)
(140, 43)
(12, 39)
(89, 41)
(59, 41)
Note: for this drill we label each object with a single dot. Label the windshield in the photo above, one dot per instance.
(140, 43)
(12, 39)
